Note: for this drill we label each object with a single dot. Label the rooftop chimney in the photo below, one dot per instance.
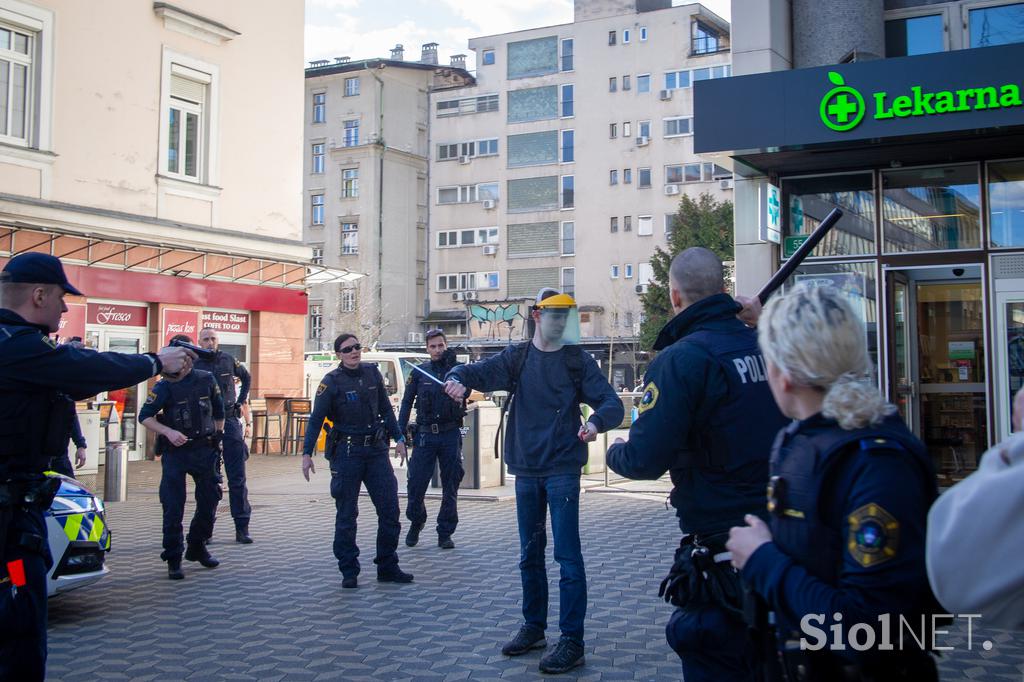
(459, 61)
(317, 63)
(341, 60)
(398, 53)
(429, 55)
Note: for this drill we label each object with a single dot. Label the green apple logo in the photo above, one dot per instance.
(842, 107)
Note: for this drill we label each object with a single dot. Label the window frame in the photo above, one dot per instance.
(613, 84)
(348, 299)
(315, 315)
(208, 163)
(643, 34)
(351, 87)
(318, 158)
(38, 22)
(571, 288)
(613, 224)
(563, 240)
(643, 78)
(562, 101)
(563, 193)
(317, 251)
(313, 210)
(319, 109)
(640, 184)
(483, 57)
(562, 55)
(627, 271)
(625, 36)
(664, 126)
(571, 147)
(613, 38)
(613, 271)
(349, 233)
(350, 183)
(348, 138)
(613, 177)
(641, 220)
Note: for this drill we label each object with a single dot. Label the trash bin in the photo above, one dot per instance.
(482, 469)
(115, 473)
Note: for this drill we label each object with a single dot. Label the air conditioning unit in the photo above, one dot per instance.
(671, 190)
(459, 296)
(471, 296)
(665, 95)
(490, 250)
(725, 184)
(415, 337)
(642, 141)
(464, 160)
(489, 204)
(641, 288)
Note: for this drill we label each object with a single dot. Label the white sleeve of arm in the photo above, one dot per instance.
(975, 536)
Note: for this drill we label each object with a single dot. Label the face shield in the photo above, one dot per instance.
(559, 322)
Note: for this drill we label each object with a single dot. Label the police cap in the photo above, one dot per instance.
(37, 268)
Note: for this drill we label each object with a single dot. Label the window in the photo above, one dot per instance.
(627, 83)
(567, 103)
(644, 273)
(569, 281)
(534, 194)
(612, 35)
(348, 300)
(695, 172)
(447, 282)
(488, 58)
(613, 130)
(614, 274)
(643, 82)
(625, 36)
(670, 222)
(677, 80)
(627, 176)
(466, 106)
(627, 130)
(318, 158)
(679, 125)
(931, 208)
(998, 25)
(568, 149)
(613, 84)
(351, 133)
(568, 238)
(487, 190)
(349, 183)
(185, 124)
(533, 104)
(447, 152)
(806, 201)
(643, 129)
(319, 107)
(1005, 204)
(455, 150)
(914, 35)
(349, 239)
(704, 40)
(644, 178)
(644, 225)
(628, 271)
(533, 149)
(568, 199)
(536, 57)
(351, 87)
(567, 54)
(627, 223)
(316, 320)
(467, 194)
(472, 237)
(643, 33)
(614, 224)
(487, 147)
(318, 255)
(629, 319)
(317, 212)
(613, 177)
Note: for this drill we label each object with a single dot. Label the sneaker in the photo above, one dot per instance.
(445, 543)
(395, 575)
(242, 536)
(413, 535)
(566, 655)
(526, 639)
(350, 582)
(202, 555)
(174, 571)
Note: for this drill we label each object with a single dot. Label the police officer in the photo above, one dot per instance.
(708, 418)
(438, 439)
(60, 462)
(848, 502)
(33, 373)
(224, 369)
(186, 412)
(354, 398)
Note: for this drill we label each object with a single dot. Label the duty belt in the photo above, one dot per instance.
(365, 441)
(439, 427)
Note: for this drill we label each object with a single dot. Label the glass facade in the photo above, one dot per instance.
(536, 57)
(915, 35)
(1006, 203)
(533, 104)
(999, 25)
(931, 209)
(809, 200)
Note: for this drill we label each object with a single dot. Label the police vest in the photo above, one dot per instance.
(433, 406)
(223, 370)
(33, 421)
(801, 463)
(355, 400)
(188, 408)
(732, 445)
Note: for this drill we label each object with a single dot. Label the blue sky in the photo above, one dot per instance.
(363, 29)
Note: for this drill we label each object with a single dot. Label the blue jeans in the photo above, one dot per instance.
(533, 497)
(446, 449)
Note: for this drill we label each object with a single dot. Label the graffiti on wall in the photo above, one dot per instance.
(497, 321)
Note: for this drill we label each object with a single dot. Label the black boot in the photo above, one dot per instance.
(242, 534)
(445, 542)
(198, 552)
(414, 534)
(394, 575)
(174, 571)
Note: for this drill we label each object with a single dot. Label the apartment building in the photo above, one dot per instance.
(906, 115)
(139, 145)
(563, 165)
(365, 190)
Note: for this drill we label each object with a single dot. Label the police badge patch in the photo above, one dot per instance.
(150, 397)
(321, 388)
(874, 535)
(650, 397)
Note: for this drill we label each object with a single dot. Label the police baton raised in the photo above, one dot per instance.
(423, 372)
(780, 277)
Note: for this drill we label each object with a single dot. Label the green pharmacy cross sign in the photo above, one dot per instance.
(843, 107)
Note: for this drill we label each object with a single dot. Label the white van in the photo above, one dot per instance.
(394, 367)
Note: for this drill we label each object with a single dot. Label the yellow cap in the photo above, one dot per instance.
(557, 301)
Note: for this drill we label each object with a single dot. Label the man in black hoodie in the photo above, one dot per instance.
(708, 417)
(545, 449)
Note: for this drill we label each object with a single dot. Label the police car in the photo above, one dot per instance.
(79, 537)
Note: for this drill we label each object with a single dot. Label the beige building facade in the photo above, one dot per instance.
(138, 144)
(564, 165)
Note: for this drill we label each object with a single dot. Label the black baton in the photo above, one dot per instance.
(780, 277)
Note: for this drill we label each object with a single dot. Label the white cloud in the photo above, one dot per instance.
(332, 4)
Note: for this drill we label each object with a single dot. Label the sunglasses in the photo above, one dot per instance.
(348, 349)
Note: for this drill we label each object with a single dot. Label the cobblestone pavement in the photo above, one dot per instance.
(275, 610)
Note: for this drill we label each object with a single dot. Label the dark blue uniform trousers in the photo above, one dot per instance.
(713, 644)
(444, 448)
(23, 615)
(351, 467)
(236, 452)
(199, 461)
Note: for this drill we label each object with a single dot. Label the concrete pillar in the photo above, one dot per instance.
(826, 32)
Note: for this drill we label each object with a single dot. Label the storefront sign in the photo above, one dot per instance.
(226, 322)
(770, 224)
(960, 90)
(791, 244)
(961, 350)
(72, 323)
(178, 321)
(117, 315)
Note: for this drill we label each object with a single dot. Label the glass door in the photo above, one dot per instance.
(127, 401)
(902, 381)
(1008, 347)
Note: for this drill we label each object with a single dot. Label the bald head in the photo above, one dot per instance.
(696, 273)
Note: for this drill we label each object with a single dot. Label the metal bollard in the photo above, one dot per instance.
(115, 472)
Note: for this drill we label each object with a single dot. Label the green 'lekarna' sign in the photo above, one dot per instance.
(843, 107)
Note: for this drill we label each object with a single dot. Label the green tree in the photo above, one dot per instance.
(704, 221)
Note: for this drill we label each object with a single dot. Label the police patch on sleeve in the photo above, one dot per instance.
(321, 388)
(874, 535)
(649, 398)
(150, 397)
